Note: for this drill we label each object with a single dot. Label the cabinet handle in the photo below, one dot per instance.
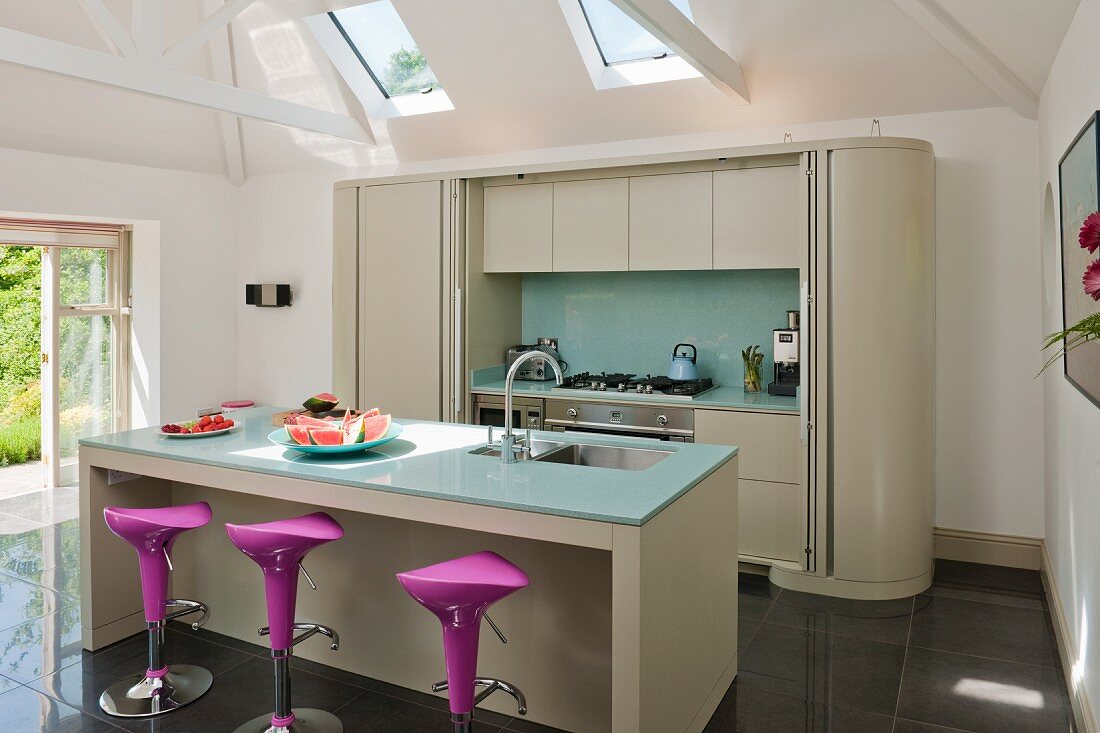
(803, 364)
(456, 390)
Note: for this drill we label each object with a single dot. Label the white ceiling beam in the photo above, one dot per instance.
(970, 52)
(220, 49)
(672, 28)
(112, 32)
(147, 27)
(213, 23)
(44, 54)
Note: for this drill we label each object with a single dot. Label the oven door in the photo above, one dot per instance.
(571, 427)
(526, 411)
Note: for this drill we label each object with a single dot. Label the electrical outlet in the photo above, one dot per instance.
(114, 476)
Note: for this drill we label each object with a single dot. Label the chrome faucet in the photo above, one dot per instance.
(508, 447)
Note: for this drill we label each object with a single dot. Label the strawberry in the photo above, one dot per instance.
(229, 423)
(219, 419)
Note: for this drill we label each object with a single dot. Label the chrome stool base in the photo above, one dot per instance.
(142, 697)
(306, 720)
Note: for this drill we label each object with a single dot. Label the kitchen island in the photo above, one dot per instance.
(630, 622)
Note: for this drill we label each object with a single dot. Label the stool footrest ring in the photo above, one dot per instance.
(310, 630)
(186, 608)
(491, 685)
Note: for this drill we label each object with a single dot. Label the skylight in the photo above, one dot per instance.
(619, 38)
(385, 47)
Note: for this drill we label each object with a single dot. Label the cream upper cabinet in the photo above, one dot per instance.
(519, 228)
(671, 222)
(591, 225)
(756, 218)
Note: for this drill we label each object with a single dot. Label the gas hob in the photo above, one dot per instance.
(627, 385)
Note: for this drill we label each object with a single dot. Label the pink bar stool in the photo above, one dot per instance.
(278, 548)
(161, 688)
(459, 591)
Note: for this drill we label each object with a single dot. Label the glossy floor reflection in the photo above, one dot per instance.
(974, 653)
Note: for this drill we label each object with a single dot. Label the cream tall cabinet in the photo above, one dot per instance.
(882, 344)
(392, 265)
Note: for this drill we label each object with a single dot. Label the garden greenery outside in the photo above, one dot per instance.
(84, 356)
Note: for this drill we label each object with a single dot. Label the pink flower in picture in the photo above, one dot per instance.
(1091, 280)
(1090, 232)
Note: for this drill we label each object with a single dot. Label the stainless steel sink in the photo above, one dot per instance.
(605, 456)
(582, 454)
(538, 447)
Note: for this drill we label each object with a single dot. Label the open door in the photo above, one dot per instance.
(84, 328)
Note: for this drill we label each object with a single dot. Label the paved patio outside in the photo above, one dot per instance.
(25, 505)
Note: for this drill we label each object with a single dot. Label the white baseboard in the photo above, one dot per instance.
(1083, 712)
(990, 549)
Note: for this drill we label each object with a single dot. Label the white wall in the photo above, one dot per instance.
(1071, 422)
(989, 464)
(198, 288)
(285, 236)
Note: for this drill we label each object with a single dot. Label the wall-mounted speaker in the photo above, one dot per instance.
(267, 295)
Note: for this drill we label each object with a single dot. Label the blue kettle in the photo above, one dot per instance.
(684, 366)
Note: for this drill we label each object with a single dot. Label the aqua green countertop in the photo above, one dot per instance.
(719, 398)
(433, 460)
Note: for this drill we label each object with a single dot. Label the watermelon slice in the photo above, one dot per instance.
(375, 428)
(372, 412)
(321, 402)
(298, 433)
(312, 422)
(353, 431)
(326, 436)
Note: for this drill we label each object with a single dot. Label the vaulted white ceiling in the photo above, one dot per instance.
(513, 73)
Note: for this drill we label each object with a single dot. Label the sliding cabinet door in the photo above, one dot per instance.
(401, 273)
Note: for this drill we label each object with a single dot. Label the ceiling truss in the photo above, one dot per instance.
(672, 28)
(140, 64)
(970, 52)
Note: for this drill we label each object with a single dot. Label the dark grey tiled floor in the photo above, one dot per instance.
(974, 653)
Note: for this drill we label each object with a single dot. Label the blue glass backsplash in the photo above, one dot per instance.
(630, 321)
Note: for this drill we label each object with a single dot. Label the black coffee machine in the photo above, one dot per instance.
(785, 357)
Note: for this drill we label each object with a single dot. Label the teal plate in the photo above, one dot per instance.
(282, 438)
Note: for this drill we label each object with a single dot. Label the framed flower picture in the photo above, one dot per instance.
(1079, 193)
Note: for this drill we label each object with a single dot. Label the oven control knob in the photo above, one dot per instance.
(662, 420)
(571, 412)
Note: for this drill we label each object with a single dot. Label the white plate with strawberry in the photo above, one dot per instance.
(202, 428)
(353, 433)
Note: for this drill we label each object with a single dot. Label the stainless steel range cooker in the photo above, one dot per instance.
(676, 424)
